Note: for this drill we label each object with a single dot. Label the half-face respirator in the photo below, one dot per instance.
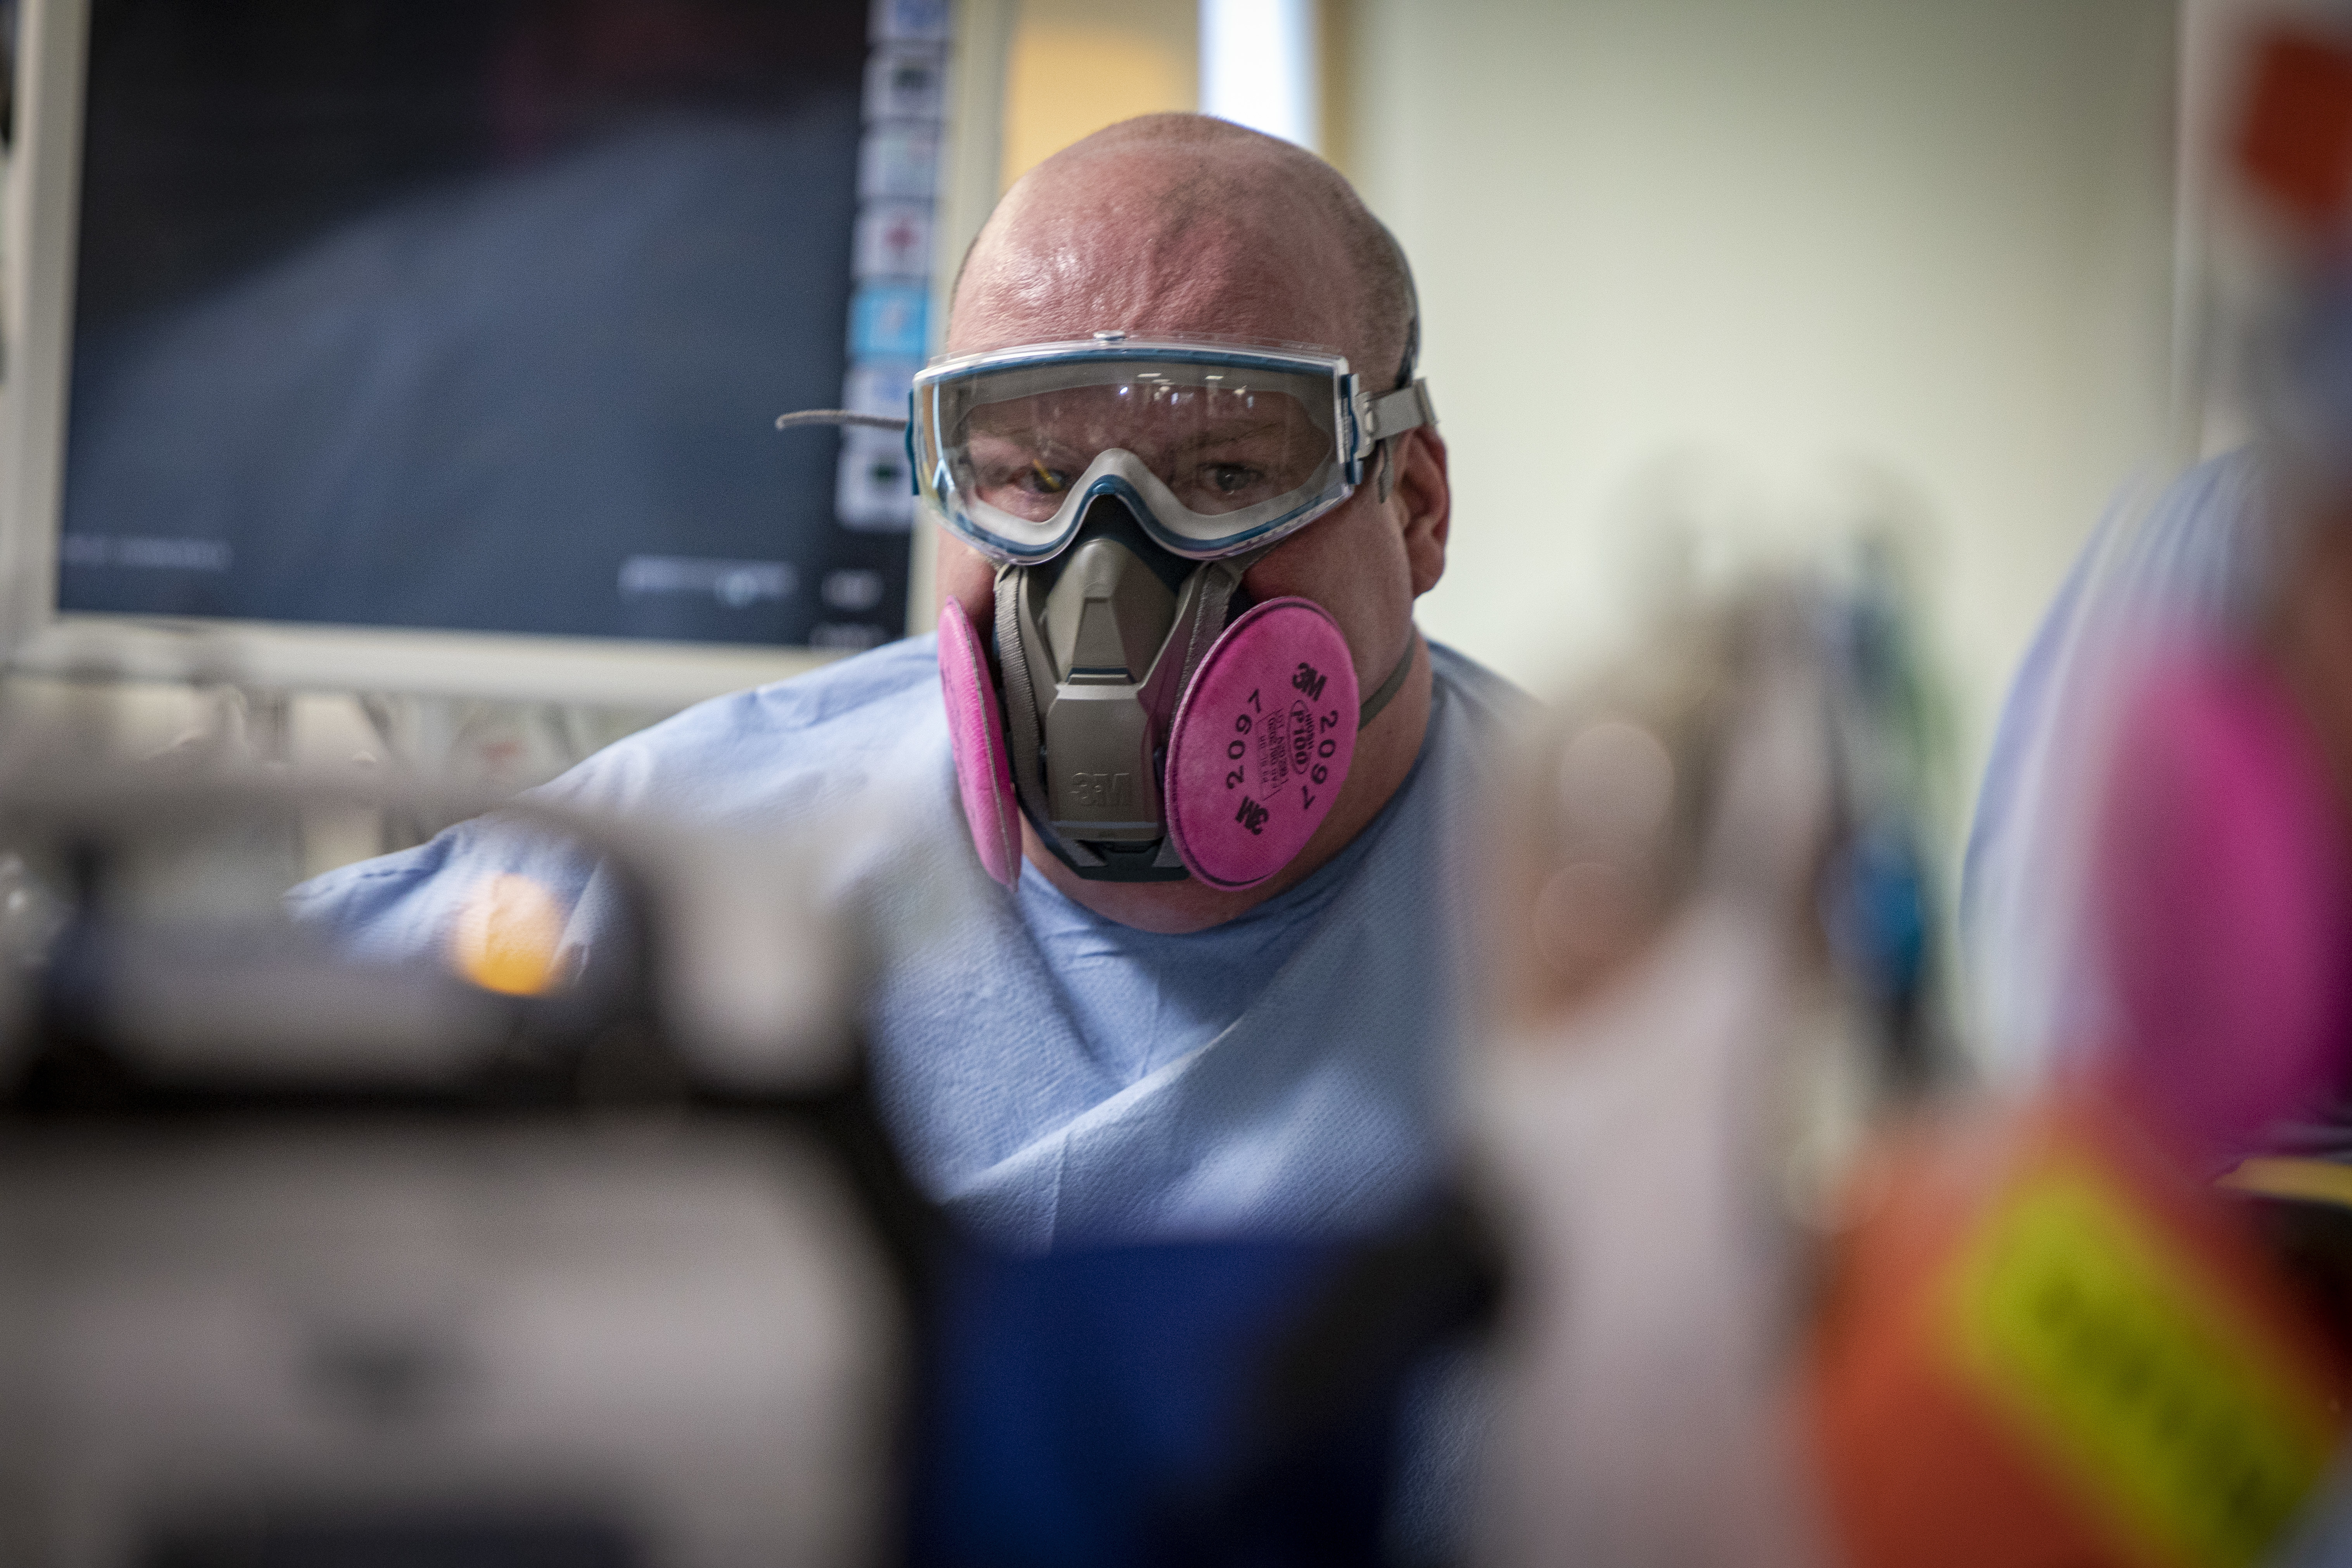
(1150, 722)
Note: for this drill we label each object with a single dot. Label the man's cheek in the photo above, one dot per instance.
(1309, 565)
(966, 576)
(1355, 572)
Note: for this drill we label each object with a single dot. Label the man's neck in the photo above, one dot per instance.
(1385, 753)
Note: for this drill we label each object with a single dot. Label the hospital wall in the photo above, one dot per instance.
(1706, 279)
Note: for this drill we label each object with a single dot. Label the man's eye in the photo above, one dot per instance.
(1039, 479)
(1230, 479)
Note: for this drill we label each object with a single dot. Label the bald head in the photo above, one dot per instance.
(1181, 223)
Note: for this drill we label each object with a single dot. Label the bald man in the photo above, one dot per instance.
(1181, 1000)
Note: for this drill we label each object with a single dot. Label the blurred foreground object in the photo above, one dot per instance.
(1780, 1297)
(1207, 1401)
(305, 1261)
(2160, 882)
(2046, 1340)
(2295, 142)
(2222, 894)
(2042, 1344)
(1708, 978)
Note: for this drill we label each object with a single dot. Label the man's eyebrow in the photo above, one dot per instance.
(1234, 433)
(1018, 450)
(1023, 432)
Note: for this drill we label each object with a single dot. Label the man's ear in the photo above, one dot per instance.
(1424, 503)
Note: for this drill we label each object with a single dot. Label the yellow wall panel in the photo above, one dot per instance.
(1075, 67)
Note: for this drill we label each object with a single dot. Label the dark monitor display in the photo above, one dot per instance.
(476, 315)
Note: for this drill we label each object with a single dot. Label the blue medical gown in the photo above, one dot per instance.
(1055, 1079)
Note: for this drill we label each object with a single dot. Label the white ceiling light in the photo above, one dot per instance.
(1258, 67)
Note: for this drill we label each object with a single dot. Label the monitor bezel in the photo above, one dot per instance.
(41, 224)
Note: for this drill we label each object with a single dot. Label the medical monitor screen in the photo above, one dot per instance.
(476, 314)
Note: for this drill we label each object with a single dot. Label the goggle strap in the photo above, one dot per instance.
(1391, 416)
(837, 416)
(1394, 413)
(1389, 688)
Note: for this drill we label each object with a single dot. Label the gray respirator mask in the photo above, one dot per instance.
(1152, 710)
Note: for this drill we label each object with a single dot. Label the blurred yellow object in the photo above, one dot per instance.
(1079, 65)
(505, 936)
(2316, 1181)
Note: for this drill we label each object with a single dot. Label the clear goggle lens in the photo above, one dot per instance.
(1237, 453)
(1218, 448)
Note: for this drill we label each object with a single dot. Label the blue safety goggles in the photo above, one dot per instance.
(1216, 448)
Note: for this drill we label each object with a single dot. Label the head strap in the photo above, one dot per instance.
(1407, 407)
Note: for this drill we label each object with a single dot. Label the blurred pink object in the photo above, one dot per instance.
(2223, 909)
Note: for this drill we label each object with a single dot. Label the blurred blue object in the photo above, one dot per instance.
(1088, 1406)
(1211, 1401)
(889, 320)
(1877, 909)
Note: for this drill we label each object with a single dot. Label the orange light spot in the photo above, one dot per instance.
(506, 937)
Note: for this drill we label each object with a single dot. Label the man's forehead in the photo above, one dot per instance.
(988, 319)
(1118, 247)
